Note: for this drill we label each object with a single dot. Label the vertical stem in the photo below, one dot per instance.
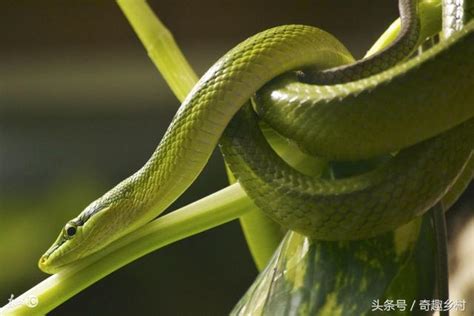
(160, 46)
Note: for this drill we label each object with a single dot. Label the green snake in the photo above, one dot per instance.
(421, 108)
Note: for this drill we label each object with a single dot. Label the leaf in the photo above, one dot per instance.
(308, 277)
(416, 279)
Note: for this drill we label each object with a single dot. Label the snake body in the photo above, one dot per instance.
(385, 112)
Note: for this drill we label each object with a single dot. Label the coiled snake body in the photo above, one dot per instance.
(422, 108)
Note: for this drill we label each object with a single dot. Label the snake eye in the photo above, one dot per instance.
(70, 230)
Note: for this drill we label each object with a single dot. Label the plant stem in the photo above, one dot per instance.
(211, 211)
(160, 46)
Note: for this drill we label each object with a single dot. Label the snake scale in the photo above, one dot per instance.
(310, 91)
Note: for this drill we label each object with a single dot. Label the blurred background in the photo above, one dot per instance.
(82, 107)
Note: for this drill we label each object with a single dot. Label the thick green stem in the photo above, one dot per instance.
(211, 211)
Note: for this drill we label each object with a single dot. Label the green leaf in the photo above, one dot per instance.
(416, 279)
(308, 277)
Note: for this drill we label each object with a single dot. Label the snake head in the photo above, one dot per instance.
(77, 239)
(69, 235)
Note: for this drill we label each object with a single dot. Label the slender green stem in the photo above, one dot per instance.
(160, 46)
(211, 211)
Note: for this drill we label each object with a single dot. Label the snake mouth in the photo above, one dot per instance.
(49, 261)
(44, 262)
(47, 267)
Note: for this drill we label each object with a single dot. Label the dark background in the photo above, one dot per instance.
(82, 107)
